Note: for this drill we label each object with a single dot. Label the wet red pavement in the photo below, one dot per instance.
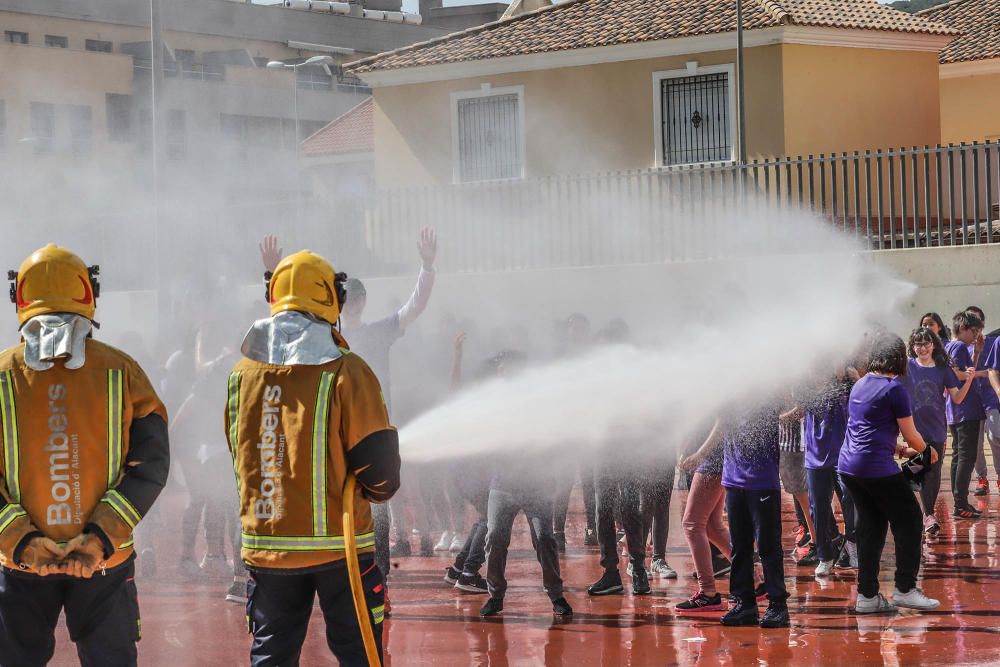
(433, 624)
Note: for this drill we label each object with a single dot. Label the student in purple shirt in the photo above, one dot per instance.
(753, 503)
(824, 427)
(990, 429)
(965, 418)
(878, 410)
(929, 377)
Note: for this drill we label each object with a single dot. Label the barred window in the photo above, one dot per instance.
(489, 138)
(696, 123)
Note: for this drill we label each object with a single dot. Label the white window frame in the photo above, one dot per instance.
(485, 90)
(693, 69)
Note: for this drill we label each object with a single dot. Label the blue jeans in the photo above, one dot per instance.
(823, 483)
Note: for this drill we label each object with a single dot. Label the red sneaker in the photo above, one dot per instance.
(983, 488)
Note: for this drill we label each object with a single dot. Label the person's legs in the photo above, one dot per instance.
(847, 507)
(981, 471)
(741, 533)
(102, 616)
(589, 490)
(658, 487)
(704, 501)
(278, 610)
(765, 508)
(343, 632)
(29, 612)
(993, 437)
(476, 542)
(608, 496)
(966, 445)
(821, 483)
(560, 505)
(903, 513)
(538, 511)
(931, 485)
(792, 470)
(503, 507)
(632, 521)
(870, 527)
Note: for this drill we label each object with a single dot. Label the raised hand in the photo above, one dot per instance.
(427, 245)
(270, 253)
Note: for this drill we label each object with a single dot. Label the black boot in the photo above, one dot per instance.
(640, 581)
(776, 616)
(561, 608)
(741, 614)
(610, 582)
(491, 607)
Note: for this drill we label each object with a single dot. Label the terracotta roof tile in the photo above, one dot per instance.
(579, 24)
(979, 22)
(354, 132)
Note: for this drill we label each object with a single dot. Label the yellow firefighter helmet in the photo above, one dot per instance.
(308, 283)
(54, 280)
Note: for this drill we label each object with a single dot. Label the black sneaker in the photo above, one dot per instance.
(809, 557)
(741, 614)
(561, 608)
(610, 582)
(560, 538)
(967, 512)
(721, 566)
(237, 592)
(471, 583)
(492, 607)
(776, 616)
(640, 581)
(701, 602)
(451, 575)
(426, 546)
(590, 538)
(400, 549)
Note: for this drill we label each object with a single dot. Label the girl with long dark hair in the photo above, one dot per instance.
(929, 377)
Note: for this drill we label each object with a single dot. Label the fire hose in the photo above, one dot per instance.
(354, 572)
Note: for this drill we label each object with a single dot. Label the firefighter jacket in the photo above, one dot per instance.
(83, 449)
(295, 433)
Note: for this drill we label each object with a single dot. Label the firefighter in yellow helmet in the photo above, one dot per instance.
(303, 413)
(84, 456)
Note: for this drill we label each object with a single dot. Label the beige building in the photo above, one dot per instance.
(970, 70)
(592, 86)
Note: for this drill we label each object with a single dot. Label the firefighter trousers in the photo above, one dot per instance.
(102, 616)
(279, 607)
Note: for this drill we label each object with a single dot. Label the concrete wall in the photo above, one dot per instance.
(970, 108)
(949, 279)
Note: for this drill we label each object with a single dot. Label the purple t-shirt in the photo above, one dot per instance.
(971, 409)
(986, 394)
(750, 453)
(876, 403)
(824, 426)
(926, 387)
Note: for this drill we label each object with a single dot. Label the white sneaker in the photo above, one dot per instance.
(824, 568)
(457, 543)
(914, 599)
(628, 568)
(873, 605)
(931, 525)
(661, 568)
(445, 542)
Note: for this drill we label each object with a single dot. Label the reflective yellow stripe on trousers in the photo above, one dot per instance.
(320, 419)
(115, 400)
(8, 420)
